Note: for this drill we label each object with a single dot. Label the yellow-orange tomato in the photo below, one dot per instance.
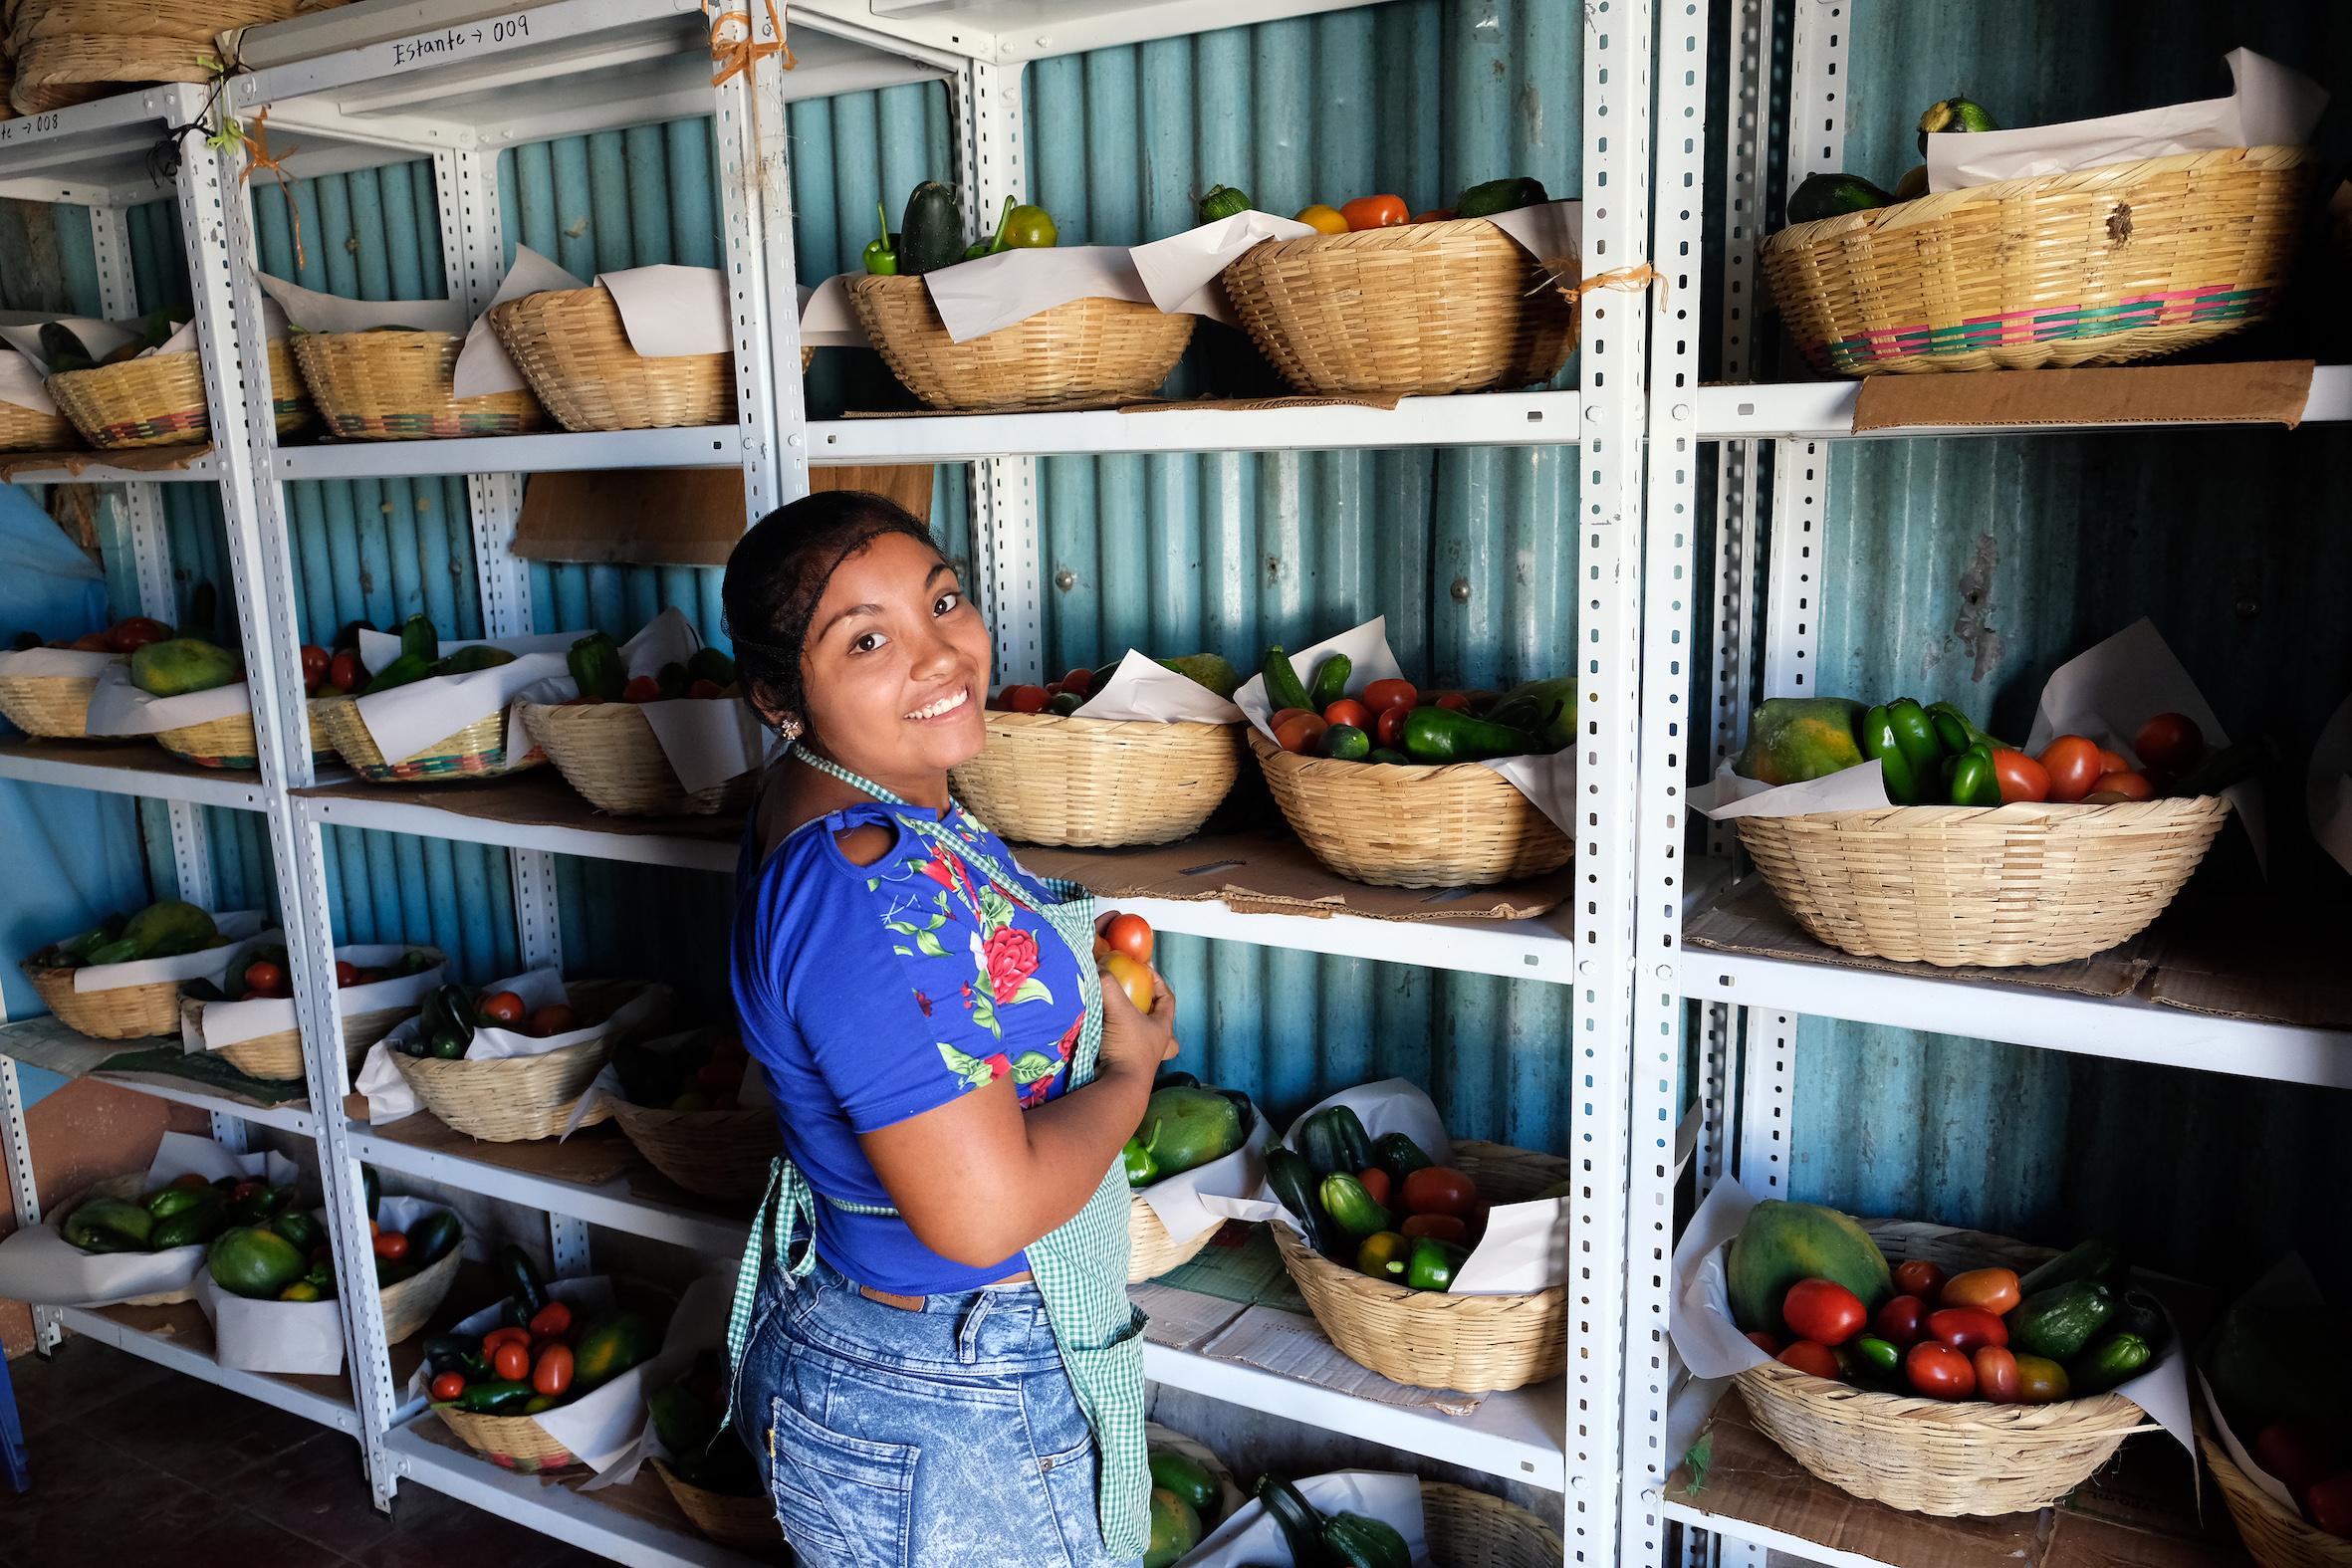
(1130, 977)
(1992, 1290)
(1131, 934)
(2130, 784)
(1321, 218)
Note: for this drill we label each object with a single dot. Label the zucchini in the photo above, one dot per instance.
(420, 640)
(1333, 1139)
(931, 235)
(1357, 1541)
(1489, 197)
(2056, 1323)
(371, 1187)
(447, 1352)
(433, 1237)
(1292, 1181)
(523, 1284)
(1330, 681)
(1399, 1156)
(1282, 687)
(1300, 1524)
(1442, 735)
(2097, 1259)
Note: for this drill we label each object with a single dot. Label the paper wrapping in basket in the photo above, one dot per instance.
(292, 1338)
(225, 1023)
(405, 720)
(2288, 1288)
(483, 366)
(665, 310)
(314, 311)
(24, 372)
(23, 383)
(699, 1324)
(1142, 687)
(1253, 1536)
(1549, 783)
(1180, 273)
(117, 706)
(56, 661)
(1712, 1345)
(212, 964)
(388, 1096)
(2269, 105)
(38, 1264)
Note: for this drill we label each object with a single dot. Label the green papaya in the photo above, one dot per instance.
(1185, 1476)
(465, 661)
(1175, 1529)
(180, 665)
(1830, 195)
(249, 1261)
(110, 1225)
(1212, 670)
(1783, 1243)
(611, 1348)
(170, 922)
(1794, 738)
(1188, 1127)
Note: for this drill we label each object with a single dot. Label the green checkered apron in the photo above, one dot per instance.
(1080, 1267)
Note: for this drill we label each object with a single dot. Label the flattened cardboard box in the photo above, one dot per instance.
(673, 517)
(2265, 391)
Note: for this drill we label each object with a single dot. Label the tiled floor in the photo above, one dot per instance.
(134, 1464)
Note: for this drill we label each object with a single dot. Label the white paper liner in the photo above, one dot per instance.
(1139, 687)
(1252, 1536)
(1553, 232)
(2289, 1283)
(483, 366)
(57, 661)
(699, 1324)
(388, 1096)
(407, 718)
(1549, 783)
(2327, 796)
(238, 925)
(828, 319)
(23, 383)
(100, 338)
(1712, 1345)
(2269, 105)
(314, 311)
(226, 1023)
(976, 298)
(669, 309)
(38, 1264)
(1181, 272)
(117, 706)
(1179, 1201)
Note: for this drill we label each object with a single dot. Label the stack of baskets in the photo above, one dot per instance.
(72, 51)
(1434, 1339)
(159, 399)
(2100, 266)
(479, 751)
(607, 752)
(1083, 354)
(514, 1099)
(1097, 783)
(52, 707)
(1457, 825)
(393, 384)
(1992, 886)
(571, 348)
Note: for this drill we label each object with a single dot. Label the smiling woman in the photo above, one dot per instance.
(936, 1360)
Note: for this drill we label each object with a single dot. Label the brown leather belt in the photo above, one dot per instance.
(915, 1303)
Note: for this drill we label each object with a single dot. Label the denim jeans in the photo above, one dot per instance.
(937, 1439)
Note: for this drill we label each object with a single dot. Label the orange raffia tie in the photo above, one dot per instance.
(736, 55)
(1629, 280)
(259, 156)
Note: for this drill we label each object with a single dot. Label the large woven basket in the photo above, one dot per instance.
(409, 1305)
(231, 742)
(570, 346)
(72, 51)
(2101, 266)
(398, 387)
(25, 430)
(130, 1187)
(514, 1099)
(607, 752)
(745, 1524)
(719, 1154)
(1431, 1339)
(1097, 783)
(2274, 1536)
(476, 751)
(1469, 1530)
(512, 1442)
(1459, 824)
(1995, 886)
(1084, 353)
(1929, 1455)
(1151, 1251)
(160, 400)
(279, 1055)
(1413, 311)
(126, 1013)
(56, 707)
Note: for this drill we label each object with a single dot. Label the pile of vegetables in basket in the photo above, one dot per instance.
(1065, 696)
(597, 669)
(186, 1211)
(1185, 1124)
(539, 1357)
(1935, 756)
(126, 635)
(164, 928)
(2285, 1407)
(1828, 195)
(1340, 1540)
(1387, 211)
(65, 350)
(1187, 1501)
(1394, 722)
(420, 659)
(451, 1014)
(705, 1073)
(288, 1257)
(931, 235)
(1812, 1290)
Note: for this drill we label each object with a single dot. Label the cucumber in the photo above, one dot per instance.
(1441, 735)
(931, 235)
(1301, 1527)
(1356, 1540)
(1489, 197)
(523, 1284)
(1330, 681)
(2056, 1323)
(1187, 1477)
(1283, 687)
(1347, 744)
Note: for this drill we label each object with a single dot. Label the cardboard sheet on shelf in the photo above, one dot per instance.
(536, 798)
(2261, 393)
(1752, 921)
(2140, 1511)
(137, 460)
(1291, 1345)
(590, 1156)
(1241, 1266)
(2269, 960)
(1269, 871)
(675, 516)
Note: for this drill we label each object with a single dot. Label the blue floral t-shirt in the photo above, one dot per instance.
(872, 994)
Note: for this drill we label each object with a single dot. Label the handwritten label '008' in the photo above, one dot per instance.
(453, 41)
(28, 128)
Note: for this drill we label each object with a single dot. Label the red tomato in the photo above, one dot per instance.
(1965, 1328)
(1806, 1356)
(1391, 693)
(344, 672)
(1997, 1375)
(553, 1019)
(2073, 767)
(1442, 1227)
(1131, 934)
(1131, 977)
(1899, 1321)
(368, 976)
(190, 1180)
(91, 642)
(243, 1190)
(2129, 783)
(512, 1361)
(2020, 776)
(1080, 680)
(501, 1336)
(1348, 711)
(448, 1386)
(391, 1246)
(641, 688)
(264, 978)
(2298, 1454)
(2113, 761)
(1764, 1342)
(1023, 699)
(502, 1007)
(1301, 733)
(704, 689)
(1921, 1279)
(1375, 1181)
(1053, 690)
(551, 1321)
(1824, 1312)
(1374, 212)
(1453, 699)
(1439, 1190)
(345, 974)
(133, 633)
(2329, 1502)
(313, 667)
(1389, 728)
(552, 1375)
(1994, 1290)
(1939, 1371)
(2171, 741)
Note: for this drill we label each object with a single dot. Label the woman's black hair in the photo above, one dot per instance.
(778, 572)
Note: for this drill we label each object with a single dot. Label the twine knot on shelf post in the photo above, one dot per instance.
(736, 51)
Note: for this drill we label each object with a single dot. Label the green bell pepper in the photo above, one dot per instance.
(1974, 782)
(881, 255)
(1433, 1264)
(595, 663)
(1143, 1170)
(1882, 744)
(1916, 734)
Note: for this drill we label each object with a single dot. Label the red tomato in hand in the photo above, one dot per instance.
(1994, 1290)
(344, 672)
(2171, 741)
(1899, 1321)
(1391, 693)
(1921, 1279)
(2073, 767)
(1767, 1343)
(1439, 1190)
(2020, 776)
(1824, 1312)
(264, 978)
(1374, 212)
(1965, 1328)
(555, 1018)
(1806, 1356)
(1131, 934)
(1997, 1375)
(2129, 783)
(1348, 711)
(502, 1007)
(2298, 1453)
(1939, 1371)
(1301, 733)
(1131, 977)
(313, 667)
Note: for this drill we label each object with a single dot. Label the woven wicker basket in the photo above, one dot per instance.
(2101, 266)
(476, 751)
(1413, 311)
(1085, 353)
(514, 1099)
(607, 752)
(72, 51)
(512, 1442)
(1427, 1338)
(409, 1305)
(2274, 1537)
(1995, 886)
(398, 387)
(1151, 1251)
(56, 707)
(126, 1013)
(745, 1524)
(570, 346)
(719, 1154)
(279, 1055)
(1097, 783)
(1469, 1530)
(25, 430)
(130, 1187)
(160, 400)
(1461, 824)
(1930, 1456)
(231, 742)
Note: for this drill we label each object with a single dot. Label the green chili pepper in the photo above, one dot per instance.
(1433, 1264)
(881, 255)
(1916, 732)
(1974, 782)
(995, 242)
(1879, 741)
(1870, 1361)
